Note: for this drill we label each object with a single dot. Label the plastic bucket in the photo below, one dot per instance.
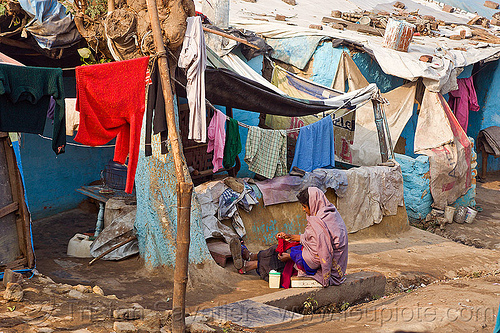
(274, 279)
(471, 215)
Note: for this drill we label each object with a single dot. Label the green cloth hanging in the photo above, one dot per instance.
(233, 143)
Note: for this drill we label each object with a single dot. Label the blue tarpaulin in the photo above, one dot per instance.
(51, 26)
(296, 51)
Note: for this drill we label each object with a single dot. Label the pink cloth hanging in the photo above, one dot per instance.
(462, 100)
(217, 138)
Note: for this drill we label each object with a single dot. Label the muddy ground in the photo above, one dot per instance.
(427, 274)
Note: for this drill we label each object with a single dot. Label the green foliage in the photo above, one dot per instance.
(344, 306)
(88, 58)
(309, 305)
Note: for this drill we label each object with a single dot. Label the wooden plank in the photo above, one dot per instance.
(12, 168)
(354, 27)
(9, 209)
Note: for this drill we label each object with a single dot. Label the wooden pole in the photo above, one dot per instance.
(241, 40)
(184, 189)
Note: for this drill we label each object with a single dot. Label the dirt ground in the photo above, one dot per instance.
(484, 232)
(434, 284)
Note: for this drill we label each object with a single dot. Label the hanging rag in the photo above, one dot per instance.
(315, 146)
(110, 99)
(72, 116)
(193, 57)
(158, 122)
(462, 100)
(233, 143)
(266, 152)
(216, 139)
(52, 109)
(24, 100)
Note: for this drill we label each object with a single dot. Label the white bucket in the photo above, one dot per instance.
(274, 279)
(471, 215)
(449, 211)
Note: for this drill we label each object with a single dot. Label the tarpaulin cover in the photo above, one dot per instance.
(227, 88)
(450, 163)
(366, 148)
(51, 26)
(299, 87)
(296, 51)
(449, 56)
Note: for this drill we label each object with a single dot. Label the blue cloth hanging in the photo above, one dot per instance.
(315, 146)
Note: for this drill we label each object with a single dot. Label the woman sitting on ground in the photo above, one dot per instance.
(322, 251)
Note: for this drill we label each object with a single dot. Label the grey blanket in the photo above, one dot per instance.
(489, 139)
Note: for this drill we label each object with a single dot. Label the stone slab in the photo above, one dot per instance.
(251, 314)
(357, 287)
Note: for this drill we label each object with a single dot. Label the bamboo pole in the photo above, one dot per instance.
(184, 189)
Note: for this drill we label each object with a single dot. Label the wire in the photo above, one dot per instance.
(78, 145)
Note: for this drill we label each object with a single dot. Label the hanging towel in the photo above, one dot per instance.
(266, 152)
(24, 100)
(110, 99)
(315, 146)
(72, 116)
(217, 138)
(158, 122)
(193, 57)
(233, 143)
(462, 100)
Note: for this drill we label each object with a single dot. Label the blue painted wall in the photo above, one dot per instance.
(416, 181)
(50, 180)
(487, 84)
(156, 218)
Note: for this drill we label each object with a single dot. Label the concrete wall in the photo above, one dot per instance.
(51, 180)
(263, 223)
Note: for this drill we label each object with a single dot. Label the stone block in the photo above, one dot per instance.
(128, 314)
(249, 313)
(336, 14)
(75, 294)
(98, 290)
(12, 277)
(316, 26)
(124, 327)
(448, 9)
(200, 328)
(280, 17)
(491, 4)
(14, 292)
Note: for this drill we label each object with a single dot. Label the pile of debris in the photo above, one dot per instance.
(374, 23)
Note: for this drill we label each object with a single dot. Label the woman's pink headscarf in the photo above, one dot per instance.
(324, 240)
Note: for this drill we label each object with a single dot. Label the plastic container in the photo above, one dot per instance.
(115, 175)
(274, 279)
(398, 35)
(471, 215)
(79, 246)
(449, 211)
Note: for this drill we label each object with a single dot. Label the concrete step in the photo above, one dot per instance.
(356, 288)
(279, 307)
